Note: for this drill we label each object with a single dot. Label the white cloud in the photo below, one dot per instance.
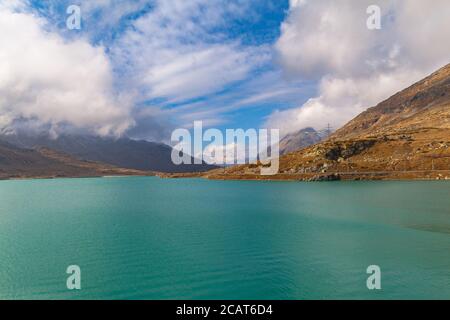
(263, 90)
(172, 52)
(48, 81)
(229, 153)
(356, 67)
(168, 52)
(340, 100)
(194, 71)
(104, 15)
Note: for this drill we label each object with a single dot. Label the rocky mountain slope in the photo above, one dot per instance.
(405, 137)
(18, 163)
(299, 140)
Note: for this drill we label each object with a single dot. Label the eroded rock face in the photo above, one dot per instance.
(325, 178)
(345, 150)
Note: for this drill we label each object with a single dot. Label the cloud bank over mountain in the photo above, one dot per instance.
(48, 82)
(356, 67)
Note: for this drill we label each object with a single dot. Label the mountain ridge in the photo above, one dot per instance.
(406, 136)
(21, 163)
(121, 152)
(424, 94)
(300, 139)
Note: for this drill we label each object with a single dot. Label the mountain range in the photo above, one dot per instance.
(26, 155)
(18, 163)
(404, 137)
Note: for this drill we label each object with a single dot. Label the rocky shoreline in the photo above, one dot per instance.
(328, 177)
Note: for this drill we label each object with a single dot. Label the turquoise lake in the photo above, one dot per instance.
(149, 238)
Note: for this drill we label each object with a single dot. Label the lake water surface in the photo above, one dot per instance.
(148, 238)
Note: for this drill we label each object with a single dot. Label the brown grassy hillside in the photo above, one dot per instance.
(405, 137)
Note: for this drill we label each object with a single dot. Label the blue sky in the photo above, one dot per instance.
(241, 100)
(143, 68)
